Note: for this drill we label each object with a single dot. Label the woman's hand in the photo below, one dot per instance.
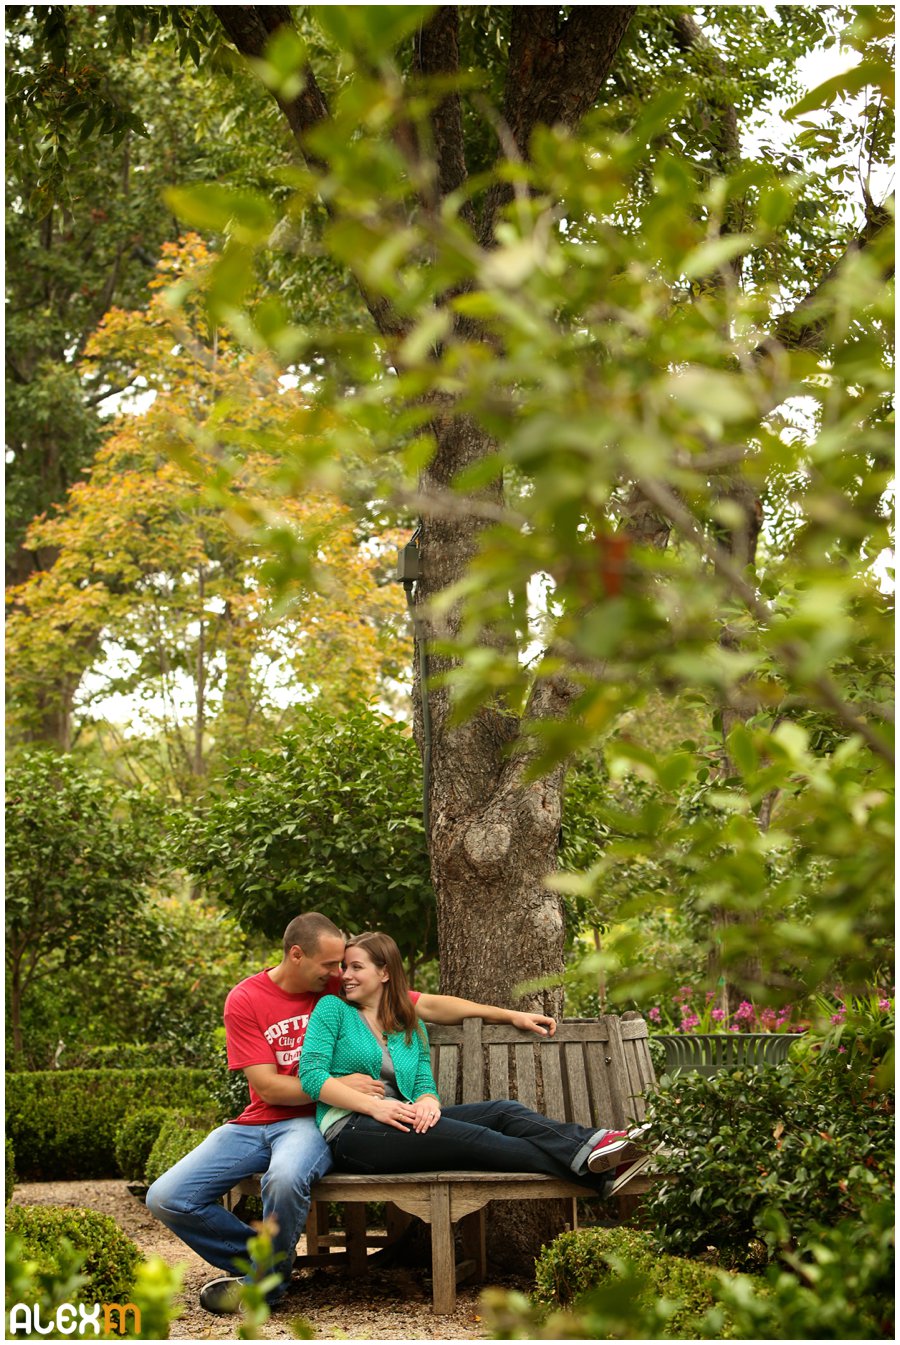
(428, 1113)
(393, 1112)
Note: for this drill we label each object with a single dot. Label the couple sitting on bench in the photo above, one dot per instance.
(365, 1061)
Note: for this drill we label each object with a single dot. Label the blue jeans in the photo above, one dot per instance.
(501, 1136)
(291, 1155)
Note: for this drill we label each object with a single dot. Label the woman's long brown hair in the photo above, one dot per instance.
(396, 1008)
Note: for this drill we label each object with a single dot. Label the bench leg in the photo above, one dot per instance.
(443, 1259)
(474, 1243)
(355, 1225)
(316, 1227)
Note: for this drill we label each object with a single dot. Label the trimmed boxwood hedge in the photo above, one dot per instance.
(125, 1055)
(63, 1123)
(110, 1258)
(135, 1138)
(581, 1262)
(179, 1133)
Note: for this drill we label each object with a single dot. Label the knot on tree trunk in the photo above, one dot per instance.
(540, 812)
(487, 843)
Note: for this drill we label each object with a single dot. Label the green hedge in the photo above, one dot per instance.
(63, 1123)
(178, 1135)
(758, 1156)
(110, 1258)
(578, 1269)
(10, 1170)
(124, 1055)
(135, 1138)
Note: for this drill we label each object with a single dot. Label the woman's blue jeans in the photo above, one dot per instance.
(291, 1156)
(500, 1136)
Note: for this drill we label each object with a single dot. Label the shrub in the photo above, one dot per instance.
(10, 1171)
(110, 1258)
(840, 1288)
(135, 1138)
(124, 1055)
(765, 1154)
(592, 1259)
(230, 1091)
(334, 806)
(63, 1122)
(155, 1288)
(178, 1135)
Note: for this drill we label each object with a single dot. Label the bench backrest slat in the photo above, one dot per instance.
(593, 1071)
(472, 1066)
(600, 1080)
(551, 1073)
(526, 1078)
(498, 1072)
(576, 1075)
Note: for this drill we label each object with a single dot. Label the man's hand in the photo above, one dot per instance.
(364, 1083)
(534, 1022)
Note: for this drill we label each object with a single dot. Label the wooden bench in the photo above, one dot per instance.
(592, 1071)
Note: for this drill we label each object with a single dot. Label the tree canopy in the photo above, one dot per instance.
(616, 343)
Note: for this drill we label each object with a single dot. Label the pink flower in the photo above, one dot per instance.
(717, 1015)
(767, 1018)
(884, 1005)
(838, 1017)
(734, 1028)
(710, 994)
(689, 1022)
(745, 1010)
(842, 1050)
(654, 1015)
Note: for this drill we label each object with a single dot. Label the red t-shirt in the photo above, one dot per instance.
(265, 1025)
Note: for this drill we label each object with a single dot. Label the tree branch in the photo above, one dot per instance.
(724, 134)
(790, 654)
(437, 53)
(555, 73)
(249, 27)
(805, 327)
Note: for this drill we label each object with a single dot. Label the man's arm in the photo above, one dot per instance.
(451, 1009)
(285, 1090)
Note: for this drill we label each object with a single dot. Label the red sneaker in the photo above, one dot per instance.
(617, 1148)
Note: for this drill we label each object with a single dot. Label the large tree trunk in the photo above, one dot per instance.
(493, 836)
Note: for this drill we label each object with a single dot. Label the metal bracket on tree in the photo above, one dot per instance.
(409, 572)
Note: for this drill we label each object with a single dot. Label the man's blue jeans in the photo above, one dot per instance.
(291, 1155)
(502, 1136)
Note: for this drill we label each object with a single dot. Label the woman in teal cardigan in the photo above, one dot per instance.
(375, 1031)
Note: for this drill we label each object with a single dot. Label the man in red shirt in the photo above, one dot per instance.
(265, 1023)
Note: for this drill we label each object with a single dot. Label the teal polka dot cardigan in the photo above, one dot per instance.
(338, 1042)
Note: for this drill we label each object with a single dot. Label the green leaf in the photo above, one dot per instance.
(371, 31)
(716, 253)
(871, 72)
(245, 216)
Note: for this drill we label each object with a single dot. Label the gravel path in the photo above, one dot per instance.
(384, 1305)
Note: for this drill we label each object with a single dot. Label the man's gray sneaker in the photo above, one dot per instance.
(222, 1296)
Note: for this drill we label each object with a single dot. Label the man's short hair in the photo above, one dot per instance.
(306, 931)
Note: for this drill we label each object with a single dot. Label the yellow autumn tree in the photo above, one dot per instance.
(159, 592)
